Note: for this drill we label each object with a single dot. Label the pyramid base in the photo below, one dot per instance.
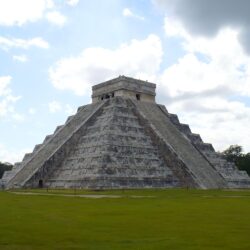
(109, 183)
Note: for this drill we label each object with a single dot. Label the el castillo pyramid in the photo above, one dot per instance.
(124, 139)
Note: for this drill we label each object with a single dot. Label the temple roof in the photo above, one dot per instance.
(124, 83)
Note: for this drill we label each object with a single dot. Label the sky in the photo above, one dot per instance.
(53, 51)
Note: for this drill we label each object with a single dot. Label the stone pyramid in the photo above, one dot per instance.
(124, 140)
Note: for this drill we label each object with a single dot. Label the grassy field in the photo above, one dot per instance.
(132, 219)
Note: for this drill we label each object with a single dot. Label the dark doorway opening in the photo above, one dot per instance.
(40, 184)
(138, 97)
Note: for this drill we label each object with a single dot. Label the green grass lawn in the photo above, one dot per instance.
(162, 219)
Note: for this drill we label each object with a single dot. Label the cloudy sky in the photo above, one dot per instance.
(53, 51)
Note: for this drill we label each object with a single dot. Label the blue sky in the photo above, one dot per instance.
(52, 52)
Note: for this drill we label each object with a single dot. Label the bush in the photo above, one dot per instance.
(243, 163)
(4, 167)
(234, 154)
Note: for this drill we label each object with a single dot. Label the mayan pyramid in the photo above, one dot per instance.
(124, 140)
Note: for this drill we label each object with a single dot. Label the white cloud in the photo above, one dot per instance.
(54, 107)
(16, 12)
(50, 4)
(209, 63)
(69, 110)
(174, 28)
(18, 117)
(20, 58)
(219, 121)
(4, 82)
(128, 13)
(7, 43)
(72, 2)
(7, 99)
(56, 18)
(206, 85)
(207, 18)
(11, 155)
(38, 42)
(139, 58)
(32, 111)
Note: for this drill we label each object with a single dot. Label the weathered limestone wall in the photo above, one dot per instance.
(234, 177)
(205, 174)
(113, 152)
(51, 145)
(125, 87)
(122, 142)
(132, 95)
(127, 94)
(171, 159)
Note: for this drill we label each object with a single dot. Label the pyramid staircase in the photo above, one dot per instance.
(114, 152)
(201, 170)
(45, 153)
(110, 151)
(234, 177)
(120, 141)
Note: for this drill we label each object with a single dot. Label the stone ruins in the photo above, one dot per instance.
(124, 140)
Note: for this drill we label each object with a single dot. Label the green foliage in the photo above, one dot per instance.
(4, 167)
(162, 219)
(243, 163)
(235, 154)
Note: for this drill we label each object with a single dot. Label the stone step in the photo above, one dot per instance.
(205, 175)
(115, 146)
(98, 182)
(58, 128)
(184, 128)
(118, 109)
(47, 138)
(106, 157)
(27, 157)
(111, 170)
(195, 138)
(37, 147)
(80, 109)
(115, 127)
(118, 134)
(119, 115)
(69, 118)
(53, 144)
(226, 169)
(163, 108)
(174, 119)
(205, 147)
(117, 119)
(9, 174)
(114, 153)
(17, 165)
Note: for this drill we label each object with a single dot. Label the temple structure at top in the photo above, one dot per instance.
(124, 87)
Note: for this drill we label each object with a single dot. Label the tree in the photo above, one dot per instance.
(4, 167)
(235, 154)
(244, 163)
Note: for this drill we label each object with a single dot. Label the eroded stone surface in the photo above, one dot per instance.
(123, 141)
